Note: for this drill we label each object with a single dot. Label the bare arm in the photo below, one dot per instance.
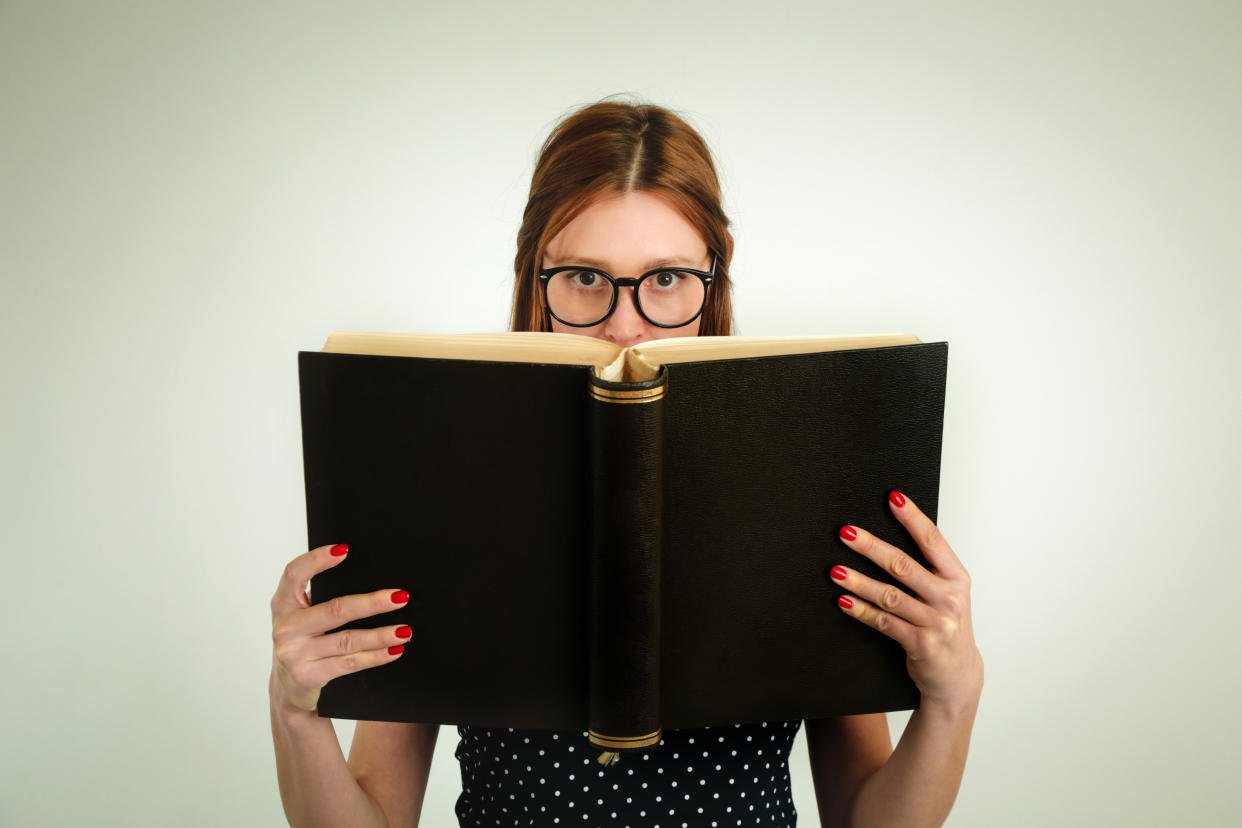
(392, 762)
(317, 787)
(918, 784)
(382, 785)
(844, 751)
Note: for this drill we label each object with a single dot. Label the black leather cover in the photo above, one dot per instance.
(550, 591)
(627, 441)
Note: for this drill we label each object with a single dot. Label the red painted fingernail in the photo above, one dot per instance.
(400, 596)
(896, 497)
(396, 649)
(845, 602)
(404, 632)
(848, 532)
(839, 573)
(339, 550)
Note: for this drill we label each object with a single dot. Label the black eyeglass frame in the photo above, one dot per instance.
(707, 277)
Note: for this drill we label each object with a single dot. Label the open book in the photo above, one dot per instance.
(617, 540)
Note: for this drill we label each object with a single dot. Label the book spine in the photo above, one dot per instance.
(627, 448)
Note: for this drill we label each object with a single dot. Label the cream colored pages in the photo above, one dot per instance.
(611, 362)
(567, 349)
(646, 357)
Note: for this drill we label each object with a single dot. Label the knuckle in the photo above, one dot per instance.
(351, 662)
(284, 655)
(947, 625)
(882, 621)
(345, 642)
(290, 576)
(902, 566)
(336, 611)
(956, 604)
(932, 537)
(890, 597)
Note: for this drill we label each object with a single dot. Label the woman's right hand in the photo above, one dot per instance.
(304, 658)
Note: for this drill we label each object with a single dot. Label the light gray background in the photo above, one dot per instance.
(189, 194)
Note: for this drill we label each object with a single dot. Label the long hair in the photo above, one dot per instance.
(609, 148)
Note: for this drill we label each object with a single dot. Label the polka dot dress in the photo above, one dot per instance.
(721, 776)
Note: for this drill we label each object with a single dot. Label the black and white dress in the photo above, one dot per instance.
(722, 776)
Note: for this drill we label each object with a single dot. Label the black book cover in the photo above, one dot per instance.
(481, 487)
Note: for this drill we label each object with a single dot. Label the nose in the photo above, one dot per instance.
(625, 326)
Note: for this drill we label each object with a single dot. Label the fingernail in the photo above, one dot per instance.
(404, 632)
(339, 550)
(839, 573)
(400, 596)
(849, 532)
(845, 601)
(896, 497)
(396, 649)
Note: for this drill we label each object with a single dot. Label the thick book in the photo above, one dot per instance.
(617, 541)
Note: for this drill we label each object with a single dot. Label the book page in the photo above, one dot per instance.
(639, 362)
(509, 346)
(643, 360)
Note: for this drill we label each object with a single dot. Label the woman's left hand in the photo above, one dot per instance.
(936, 631)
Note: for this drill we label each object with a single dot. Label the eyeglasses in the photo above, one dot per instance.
(667, 297)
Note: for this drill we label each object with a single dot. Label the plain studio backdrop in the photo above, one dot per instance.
(191, 193)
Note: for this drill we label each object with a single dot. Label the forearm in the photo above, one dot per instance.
(317, 787)
(918, 784)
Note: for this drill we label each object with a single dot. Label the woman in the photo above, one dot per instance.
(628, 189)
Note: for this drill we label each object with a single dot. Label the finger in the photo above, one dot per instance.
(352, 641)
(885, 596)
(341, 610)
(292, 591)
(927, 535)
(892, 560)
(887, 623)
(319, 672)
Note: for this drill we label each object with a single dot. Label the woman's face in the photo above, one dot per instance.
(626, 236)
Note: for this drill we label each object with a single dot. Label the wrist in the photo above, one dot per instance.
(283, 706)
(952, 709)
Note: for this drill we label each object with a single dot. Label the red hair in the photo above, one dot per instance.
(607, 149)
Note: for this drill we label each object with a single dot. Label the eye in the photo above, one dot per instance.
(667, 279)
(583, 278)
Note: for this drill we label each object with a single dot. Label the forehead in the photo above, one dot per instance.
(627, 231)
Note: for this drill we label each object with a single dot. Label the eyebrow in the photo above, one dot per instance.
(679, 261)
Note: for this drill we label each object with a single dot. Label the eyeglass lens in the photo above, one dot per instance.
(667, 297)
